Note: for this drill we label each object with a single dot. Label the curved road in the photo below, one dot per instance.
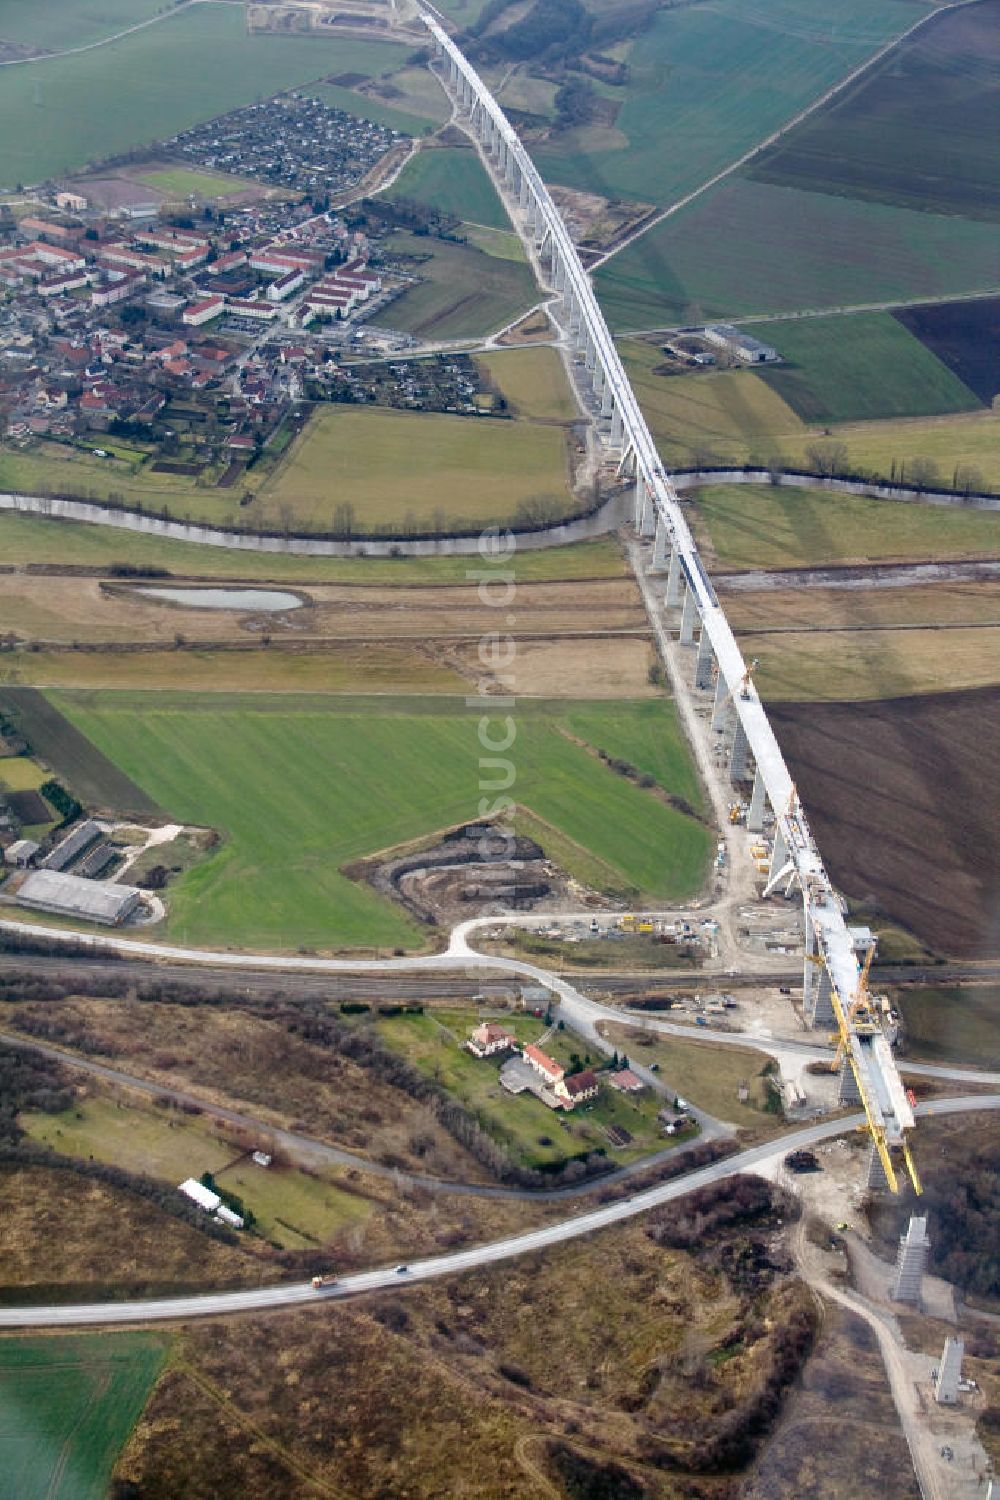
(298, 1294)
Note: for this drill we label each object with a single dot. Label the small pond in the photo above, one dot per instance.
(269, 601)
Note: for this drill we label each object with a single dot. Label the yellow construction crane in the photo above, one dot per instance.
(860, 1020)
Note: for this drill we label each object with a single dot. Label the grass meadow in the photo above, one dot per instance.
(299, 789)
(858, 367)
(727, 415)
(465, 292)
(293, 1209)
(707, 82)
(749, 247)
(763, 526)
(181, 182)
(51, 25)
(67, 1405)
(454, 181)
(533, 383)
(425, 469)
(59, 114)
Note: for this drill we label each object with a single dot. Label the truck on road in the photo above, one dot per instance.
(320, 1283)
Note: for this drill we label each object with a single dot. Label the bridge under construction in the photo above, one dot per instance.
(834, 981)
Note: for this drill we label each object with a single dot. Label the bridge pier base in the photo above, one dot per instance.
(817, 991)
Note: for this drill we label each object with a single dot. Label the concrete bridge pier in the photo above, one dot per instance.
(607, 399)
(875, 1179)
(704, 668)
(689, 616)
(672, 597)
(661, 536)
(817, 1004)
(758, 802)
(847, 1089)
(739, 754)
(720, 709)
(617, 438)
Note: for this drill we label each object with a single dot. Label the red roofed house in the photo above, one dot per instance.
(545, 1065)
(203, 310)
(626, 1082)
(578, 1088)
(489, 1038)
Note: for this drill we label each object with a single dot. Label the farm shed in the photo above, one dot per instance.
(69, 896)
(21, 853)
(82, 836)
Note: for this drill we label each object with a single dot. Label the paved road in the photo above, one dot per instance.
(298, 1294)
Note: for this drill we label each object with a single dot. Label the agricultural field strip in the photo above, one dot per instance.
(794, 315)
(116, 36)
(763, 144)
(302, 1294)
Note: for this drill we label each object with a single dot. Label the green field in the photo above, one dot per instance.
(966, 441)
(54, 24)
(535, 1135)
(465, 292)
(858, 367)
(67, 1406)
(724, 415)
(425, 470)
(366, 108)
(747, 248)
(59, 114)
(292, 1208)
(454, 181)
(762, 526)
(533, 383)
(919, 130)
(708, 81)
(952, 1024)
(31, 539)
(182, 183)
(298, 789)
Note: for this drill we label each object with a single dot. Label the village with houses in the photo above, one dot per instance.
(190, 330)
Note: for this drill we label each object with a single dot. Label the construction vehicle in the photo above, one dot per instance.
(320, 1283)
(737, 812)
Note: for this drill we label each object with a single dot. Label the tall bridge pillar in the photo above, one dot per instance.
(705, 664)
(758, 801)
(661, 537)
(689, 615)
(674, 581)
(739, 755)
(607, 399)
(817, 1004)
(847, 1089)
(720, 709)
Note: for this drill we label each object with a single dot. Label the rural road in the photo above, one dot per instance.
(298, 1294)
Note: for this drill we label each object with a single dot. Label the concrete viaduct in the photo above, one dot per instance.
(834, 990)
